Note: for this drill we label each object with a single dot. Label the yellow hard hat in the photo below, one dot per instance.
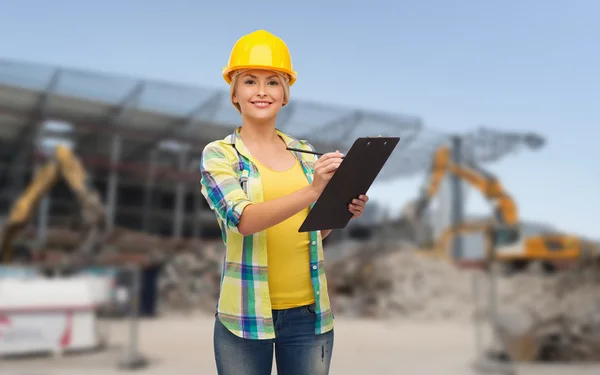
(260, 50)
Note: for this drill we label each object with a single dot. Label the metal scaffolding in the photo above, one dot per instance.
(141, 140)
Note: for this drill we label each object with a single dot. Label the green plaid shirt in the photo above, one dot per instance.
(231, 181)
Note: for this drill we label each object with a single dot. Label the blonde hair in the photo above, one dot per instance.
(284, 79)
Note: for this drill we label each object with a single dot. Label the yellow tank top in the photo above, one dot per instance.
(287, 250)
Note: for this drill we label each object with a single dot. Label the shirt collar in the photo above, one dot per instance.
(235, 140)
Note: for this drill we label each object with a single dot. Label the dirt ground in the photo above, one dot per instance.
(183, 346)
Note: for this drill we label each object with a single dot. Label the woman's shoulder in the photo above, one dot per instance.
(217, 156)
(218, 148)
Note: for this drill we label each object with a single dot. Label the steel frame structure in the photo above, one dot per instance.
(119, 124)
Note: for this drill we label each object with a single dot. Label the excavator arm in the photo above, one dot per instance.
(439, 249)
(505, 209)
(410, 221)
(92, 209)
(413, 211)
(44, 179)
(485, 182)
(64, 164)
(502, 230)
(491, 189)
(437, 172)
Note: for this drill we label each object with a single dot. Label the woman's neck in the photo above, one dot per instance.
(253, 132)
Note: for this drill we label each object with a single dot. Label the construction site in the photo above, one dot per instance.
(99, 175)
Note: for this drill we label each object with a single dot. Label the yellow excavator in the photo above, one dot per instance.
(63, 163)
(502, 231)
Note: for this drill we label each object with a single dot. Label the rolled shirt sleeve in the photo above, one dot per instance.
(220, 186)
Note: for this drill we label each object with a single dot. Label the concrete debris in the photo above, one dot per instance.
(540, 317)
(399, 284)
(552, 318)
(190, 279)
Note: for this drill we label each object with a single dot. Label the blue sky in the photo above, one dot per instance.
(528, 64)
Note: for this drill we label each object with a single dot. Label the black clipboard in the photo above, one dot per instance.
(354, 176)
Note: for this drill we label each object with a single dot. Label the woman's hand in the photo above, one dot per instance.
(358, 206)
(325, 167)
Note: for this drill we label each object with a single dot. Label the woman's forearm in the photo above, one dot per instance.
(260, 216)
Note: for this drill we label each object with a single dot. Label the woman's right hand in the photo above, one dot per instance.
(325, 167)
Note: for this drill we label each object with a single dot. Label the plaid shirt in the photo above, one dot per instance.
(230, 181)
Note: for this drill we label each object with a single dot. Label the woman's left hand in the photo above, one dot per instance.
(358, 206)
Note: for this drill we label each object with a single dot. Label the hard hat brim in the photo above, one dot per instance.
(228, 71)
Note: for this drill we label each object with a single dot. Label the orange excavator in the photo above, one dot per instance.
(63, 163)
(502, 231)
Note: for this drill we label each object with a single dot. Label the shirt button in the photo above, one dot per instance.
(313, 243)
(318, 292)
(230, 203)
(314, 267)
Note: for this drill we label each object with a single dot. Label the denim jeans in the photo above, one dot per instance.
(298, 351)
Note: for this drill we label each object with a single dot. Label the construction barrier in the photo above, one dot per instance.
(58, 311)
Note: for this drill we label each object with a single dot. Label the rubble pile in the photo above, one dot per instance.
(190, 279)
(549, 317)
(399, 284)
(190, 272)
(552, 317)
(558, 315)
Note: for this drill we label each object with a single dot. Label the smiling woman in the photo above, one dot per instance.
(247, 101)
(273, 291)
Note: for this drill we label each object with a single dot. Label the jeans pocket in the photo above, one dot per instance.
(310, 309)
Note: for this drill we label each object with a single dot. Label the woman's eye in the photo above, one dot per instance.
(249, 82)
(273, 83)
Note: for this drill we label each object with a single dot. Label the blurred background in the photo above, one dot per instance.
(478, 251)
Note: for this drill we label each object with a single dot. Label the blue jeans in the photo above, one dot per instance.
(298, 351)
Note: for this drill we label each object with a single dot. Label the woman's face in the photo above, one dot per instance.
(259, 93)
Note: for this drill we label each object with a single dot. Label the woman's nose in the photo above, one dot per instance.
(261, 87)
